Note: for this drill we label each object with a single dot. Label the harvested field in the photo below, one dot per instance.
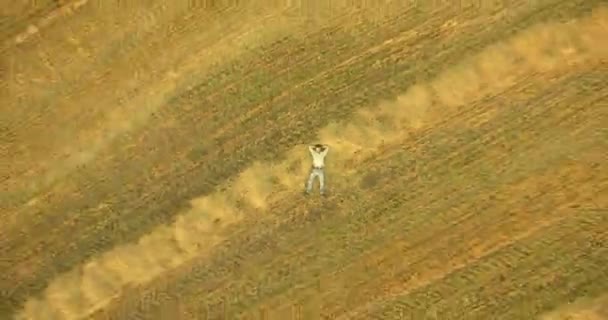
(154, 155)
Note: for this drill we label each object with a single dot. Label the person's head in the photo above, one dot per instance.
(319, 147)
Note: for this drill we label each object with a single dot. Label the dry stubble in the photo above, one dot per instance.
(91, 287)
(582, 309)
(121, 93)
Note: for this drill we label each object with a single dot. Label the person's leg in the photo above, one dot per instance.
(311, 179)
(321, 174)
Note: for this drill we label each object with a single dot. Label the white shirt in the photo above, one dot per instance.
(318, 158)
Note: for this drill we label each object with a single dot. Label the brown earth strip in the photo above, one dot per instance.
(590, 308)
(556, 263)
(120, 83)
(16, 16)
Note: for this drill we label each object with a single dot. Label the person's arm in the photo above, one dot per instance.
(326, 150)
(311, 149)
